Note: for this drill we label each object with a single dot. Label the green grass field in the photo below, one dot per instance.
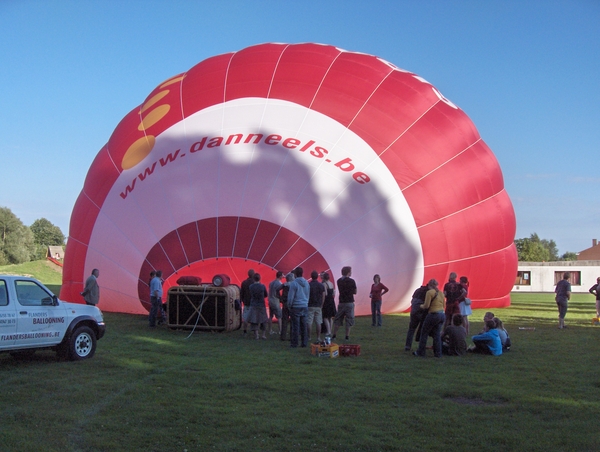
(164, 390)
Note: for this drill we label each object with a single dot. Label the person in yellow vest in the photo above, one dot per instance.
(434, 303)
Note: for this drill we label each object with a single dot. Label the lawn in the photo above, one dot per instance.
(165, 390)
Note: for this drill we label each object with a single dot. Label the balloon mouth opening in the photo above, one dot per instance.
(192, 250)
(234, 267)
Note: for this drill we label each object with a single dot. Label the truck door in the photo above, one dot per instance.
(8, 317)
(39, 323)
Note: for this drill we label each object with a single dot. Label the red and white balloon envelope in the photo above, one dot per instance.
(279, 156)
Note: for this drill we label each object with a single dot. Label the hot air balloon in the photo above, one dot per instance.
(285, 155)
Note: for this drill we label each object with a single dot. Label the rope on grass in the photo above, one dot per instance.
(199, 312)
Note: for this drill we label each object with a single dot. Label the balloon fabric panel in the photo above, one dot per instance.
(268, 133)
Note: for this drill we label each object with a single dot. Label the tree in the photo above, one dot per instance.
(569, 256)
(16, 239)
(46, 234)
(534, 249)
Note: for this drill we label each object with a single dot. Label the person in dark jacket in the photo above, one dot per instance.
(245, 298)
(285, 311)
(417, 316)
(347, 289)
(563, 295)
(258, 317)
(91, 292)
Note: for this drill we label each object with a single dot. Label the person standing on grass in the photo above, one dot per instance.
(434, 305)
(328, 310)
(465, 309)
(152, 275)
(91, 292)
(377, 291)
(245, 298)
(156, 293)
(298, 305)
(258, 312)
(452, 292)
(315, 304)
(417, 316)
(275, 302)
(285, 311)
(595, 290)
(347, 289)
(563, 295)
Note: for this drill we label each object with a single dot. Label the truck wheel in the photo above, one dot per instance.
(82, 343)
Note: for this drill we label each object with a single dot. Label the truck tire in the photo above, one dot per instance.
(82, 343)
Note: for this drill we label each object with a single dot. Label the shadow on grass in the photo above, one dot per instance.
(161, 389)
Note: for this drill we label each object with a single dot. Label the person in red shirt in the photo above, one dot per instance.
(377, 291)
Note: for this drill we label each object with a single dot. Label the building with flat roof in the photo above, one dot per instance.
(543, 276)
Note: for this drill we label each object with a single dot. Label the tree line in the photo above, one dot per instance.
(534, 249)
(20, 243)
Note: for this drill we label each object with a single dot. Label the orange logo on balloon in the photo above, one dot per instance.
(137, 152)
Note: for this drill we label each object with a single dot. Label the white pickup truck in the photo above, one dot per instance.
(31, 318)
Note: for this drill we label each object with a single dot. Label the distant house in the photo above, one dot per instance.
(543, 276)
(56, 252)
(590, 254)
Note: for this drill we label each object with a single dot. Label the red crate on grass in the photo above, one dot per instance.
(349, 350)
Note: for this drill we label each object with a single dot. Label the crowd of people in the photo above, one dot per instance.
(442, 315)
(301, 304)
(309, 305)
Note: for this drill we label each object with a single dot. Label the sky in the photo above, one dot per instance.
(526, 72)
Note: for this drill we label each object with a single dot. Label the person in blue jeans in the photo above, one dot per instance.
(434, 304)
(156, 292)
(378, 289)
(298, 304)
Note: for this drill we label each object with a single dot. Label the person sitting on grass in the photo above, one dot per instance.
(487, 343)
(488, 316)
(454, 341)
(504, 338)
